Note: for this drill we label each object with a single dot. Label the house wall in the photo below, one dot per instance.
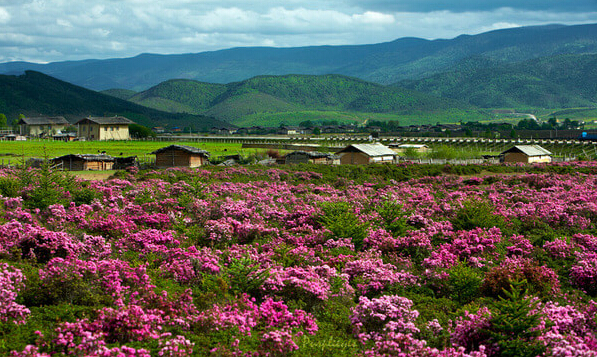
(89, 131)
(172, 158)
(37, 130)
(114, 132)
(72, 165)
(356, 158)
(82, 165)
(178, 158)
(382, 159)
(516, 157)
(92, 131)
(196, 160)
(321, 160)
(540, 159)
(98, 165)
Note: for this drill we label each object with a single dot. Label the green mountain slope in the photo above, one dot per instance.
(35, 94)
(124, 94)
(385, 63)
(552, 82)
(267, 99)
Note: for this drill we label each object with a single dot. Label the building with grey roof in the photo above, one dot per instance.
(42, 126)
(180, 156)
(526, 154)
(104, 128)
(366, 154)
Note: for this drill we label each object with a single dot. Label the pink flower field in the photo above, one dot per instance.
(386, 261)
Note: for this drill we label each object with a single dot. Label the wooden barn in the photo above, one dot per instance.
(526, 154)
(363, 154)
(180, 156)
(311, 157)
(83, 162)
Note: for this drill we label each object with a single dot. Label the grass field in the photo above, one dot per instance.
(15, 150)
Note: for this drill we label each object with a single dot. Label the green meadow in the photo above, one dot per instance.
(15, 150)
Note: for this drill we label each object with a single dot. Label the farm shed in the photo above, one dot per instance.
(104, 128)
(42, 126)
(311, 157)
(83, 162)
(526, 154)
(180, 156)
(362, 154)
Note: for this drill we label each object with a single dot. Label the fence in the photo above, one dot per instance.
(452, 161)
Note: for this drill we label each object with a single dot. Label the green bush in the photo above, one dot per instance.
(244, 276)
(475, 214)
(464, 283)
(514, 324)
(341, 220)
(10, 187)
(393, 216)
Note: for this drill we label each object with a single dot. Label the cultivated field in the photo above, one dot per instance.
(16, 150)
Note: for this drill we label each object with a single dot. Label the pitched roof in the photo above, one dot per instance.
(85, 157)
(370, 149)
(107, 120)
(44, 121)
(529, 150)
(189, 149)
(313, 154)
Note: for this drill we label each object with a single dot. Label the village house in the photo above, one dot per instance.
(363, 154)
(83, 162)
(223, 130)
(526, 154)
(42, 126)
(402, 148)
(104, 128)
(311, 157)
(180, 156)
(290, 130)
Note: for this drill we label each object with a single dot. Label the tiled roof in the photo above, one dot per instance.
(529, 150)
(85, 157)
(371, 150)
(44, 121)
(189, 149)
(107, 120)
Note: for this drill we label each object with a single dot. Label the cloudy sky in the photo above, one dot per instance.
(58, 30)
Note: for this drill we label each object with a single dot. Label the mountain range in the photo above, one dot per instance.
(268, 100)
(384, 63)
(562, 81)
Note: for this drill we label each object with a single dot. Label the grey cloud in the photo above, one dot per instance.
(474, 5)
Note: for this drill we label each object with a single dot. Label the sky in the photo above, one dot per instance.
(59, 30)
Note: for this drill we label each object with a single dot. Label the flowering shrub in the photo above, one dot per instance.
(11, 281)
(388, 260)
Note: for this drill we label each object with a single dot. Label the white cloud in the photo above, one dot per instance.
(376, 18)
(4, 15)
(52, 30)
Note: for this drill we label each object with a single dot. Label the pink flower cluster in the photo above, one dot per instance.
(11, 281)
